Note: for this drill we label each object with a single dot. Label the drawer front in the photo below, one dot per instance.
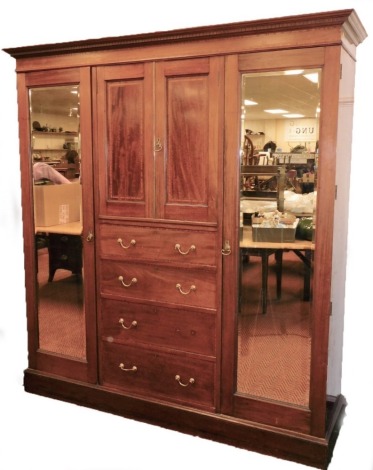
(178, 378)
(127, 322)
(162, 244)
(196, 288)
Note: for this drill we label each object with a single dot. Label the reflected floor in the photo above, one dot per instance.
(274, 349)
(61, 312)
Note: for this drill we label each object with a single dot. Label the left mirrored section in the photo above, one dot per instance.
(55, 153)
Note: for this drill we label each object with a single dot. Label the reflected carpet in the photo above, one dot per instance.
(61, 312)
(274, 350)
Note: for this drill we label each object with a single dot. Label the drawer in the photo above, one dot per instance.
(186, 330)
(167, 284)
(162, 244)
(173, 377)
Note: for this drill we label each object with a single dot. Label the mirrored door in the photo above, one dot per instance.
(271, 201)
(56, 155)
(60, 260)
(278, 196)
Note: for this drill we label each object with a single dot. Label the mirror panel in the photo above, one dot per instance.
(55, 150)
(279, 156)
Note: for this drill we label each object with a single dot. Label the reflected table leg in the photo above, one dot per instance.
(307, 260)
(264, 292)
(278, 256)
(265, 254)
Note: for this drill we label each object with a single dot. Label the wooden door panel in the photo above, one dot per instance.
(125, 103)
(187, 114)
(189, 106)
(124, 139)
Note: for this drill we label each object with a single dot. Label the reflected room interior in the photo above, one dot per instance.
(55, 147)
(279, 156)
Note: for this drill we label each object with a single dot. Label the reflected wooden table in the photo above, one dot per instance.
(302, 248)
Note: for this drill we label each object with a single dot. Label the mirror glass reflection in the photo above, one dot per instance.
(278, 188)
(55, 150)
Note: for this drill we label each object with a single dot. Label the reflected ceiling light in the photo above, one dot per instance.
(293, 72)
(250, 103)
(312, 77)
(276, 111)
(293, 115)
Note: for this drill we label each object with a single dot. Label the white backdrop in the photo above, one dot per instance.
(43, 434)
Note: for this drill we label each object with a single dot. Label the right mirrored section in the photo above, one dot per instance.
(278, 196)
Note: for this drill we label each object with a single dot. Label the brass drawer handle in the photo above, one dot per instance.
(132, 325)
(132, 281)
(178, 248)
(190, 382)
(125, 247)
(132, 369)
(192, 288)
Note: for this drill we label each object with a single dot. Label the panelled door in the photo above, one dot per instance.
(159, 140)
(55, 118)
(276, 295)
